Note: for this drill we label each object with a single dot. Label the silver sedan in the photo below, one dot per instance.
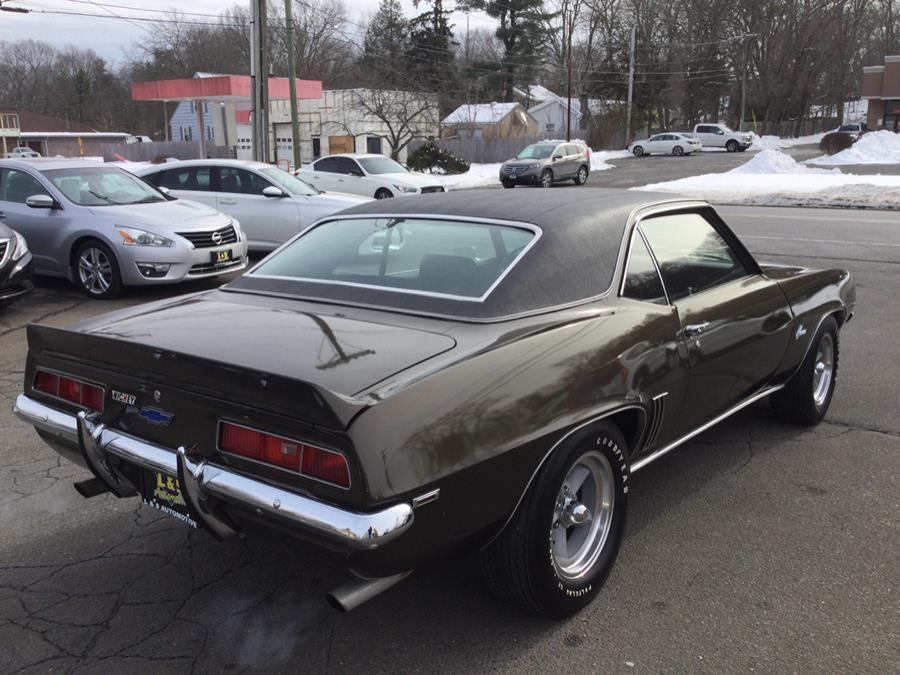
(103, 228)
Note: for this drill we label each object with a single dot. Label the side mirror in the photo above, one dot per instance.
(41, 202)
(273, 191)
(556, 157)
(355, 172)
(166, 191)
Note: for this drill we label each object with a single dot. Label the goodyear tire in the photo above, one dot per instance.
(807, 396)
(556, 552)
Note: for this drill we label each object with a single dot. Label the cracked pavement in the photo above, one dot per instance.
(756, 546)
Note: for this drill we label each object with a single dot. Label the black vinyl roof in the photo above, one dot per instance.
(574, 259)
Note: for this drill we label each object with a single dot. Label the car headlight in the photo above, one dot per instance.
(20, 246)
(134, 237)
(404, 188)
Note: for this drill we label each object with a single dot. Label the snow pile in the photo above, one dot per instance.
(775, 162)
(878, 147)
(775, 142)
(773, 178)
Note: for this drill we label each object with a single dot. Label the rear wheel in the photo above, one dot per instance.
(582, 176)
(556, 552)
(547, 178)
(383, 193)
(678, 151)
(731, 146)
(97, 270)
(638, 151)
(806, 397)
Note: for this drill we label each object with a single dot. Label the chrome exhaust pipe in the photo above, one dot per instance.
(356, 591)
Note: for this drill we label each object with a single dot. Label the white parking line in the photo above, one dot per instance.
(820, 241)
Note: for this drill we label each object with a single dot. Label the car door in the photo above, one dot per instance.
(735, 322)
(323, 174)
(44, 229)
(267, 221)
(350, 177)
(187, 182)
(656, 144)
(572, 160)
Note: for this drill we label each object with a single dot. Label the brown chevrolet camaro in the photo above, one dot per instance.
(415, 377)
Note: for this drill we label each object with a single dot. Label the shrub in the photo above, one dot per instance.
(431, 158)
(835, 142)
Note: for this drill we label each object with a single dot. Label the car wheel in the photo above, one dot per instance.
(807, 395)
(582, 176)
(508, 183)
(678, 151)
(554, 555)
(547, 178)
(383, 193)
(731, 146)
(638, 151)
(97, 270)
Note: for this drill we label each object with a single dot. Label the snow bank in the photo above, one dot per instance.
(773, 178)
(775, 142)
(878, 147)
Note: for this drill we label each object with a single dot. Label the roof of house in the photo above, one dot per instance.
(480, 113)
(31, 122)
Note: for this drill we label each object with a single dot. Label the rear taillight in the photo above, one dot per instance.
(308, 460)
(69, 389)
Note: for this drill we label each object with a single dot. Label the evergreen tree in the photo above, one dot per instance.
(430, 52)
(384, 51)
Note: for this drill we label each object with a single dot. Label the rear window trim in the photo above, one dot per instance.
(534, 229)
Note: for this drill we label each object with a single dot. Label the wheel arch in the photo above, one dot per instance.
(77, 241)
(631, 420)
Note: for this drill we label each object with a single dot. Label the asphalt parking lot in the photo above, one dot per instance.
(758, 546)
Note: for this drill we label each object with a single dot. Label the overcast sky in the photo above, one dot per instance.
(114, 39)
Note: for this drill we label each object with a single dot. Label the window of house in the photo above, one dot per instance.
(317, 147)
(373, 145)
(550, 126)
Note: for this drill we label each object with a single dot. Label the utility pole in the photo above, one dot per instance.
(292, 77)
(743, 81)
(630, 87)
(569, 23)
(259, 76)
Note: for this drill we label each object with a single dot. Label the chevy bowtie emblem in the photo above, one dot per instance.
(157, 416)
(801, 331)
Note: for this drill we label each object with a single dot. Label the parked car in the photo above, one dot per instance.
(368, 175)
(546, 163)
(417, 377)
(666, 144)
(720, 136)
(271, 204)
(15, 266)
(103, 228)
(22, 152)
(854, 130)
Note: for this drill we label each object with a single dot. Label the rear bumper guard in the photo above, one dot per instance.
(204, 484)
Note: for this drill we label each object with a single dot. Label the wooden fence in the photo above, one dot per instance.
(488, 150)
(147, 152)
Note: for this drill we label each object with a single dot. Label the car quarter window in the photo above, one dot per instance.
(692, 255)
(642, 281)
(196, 179)
(241, 181)
(326, 164)
(17, 186)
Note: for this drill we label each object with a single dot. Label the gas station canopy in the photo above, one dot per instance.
(219, 88)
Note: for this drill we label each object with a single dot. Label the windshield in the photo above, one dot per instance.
(849, 127)
(536, 152)
(376, 165)
(102, 186)
(290, 183)
(414, 255)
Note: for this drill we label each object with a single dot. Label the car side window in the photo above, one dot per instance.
(642, 281)
(17, 186)
(328, 165)
(572, 150)
(692, 255)
(195, 179)
(346, 166)
(241, 181)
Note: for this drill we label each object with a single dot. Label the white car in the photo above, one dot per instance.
(22, 152)
(666, 144)
(271, 205)
(370, 175)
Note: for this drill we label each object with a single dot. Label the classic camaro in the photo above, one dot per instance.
(415, 377)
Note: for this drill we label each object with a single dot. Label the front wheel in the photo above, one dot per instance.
(553, 557)
(731, 146)
(383, 193)
(547, 178)
(806, 397)
(582, 176)
(97, 270)
(678, 151)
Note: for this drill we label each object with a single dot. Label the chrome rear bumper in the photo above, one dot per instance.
(205, 485)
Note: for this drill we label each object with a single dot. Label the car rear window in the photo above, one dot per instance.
(449, 258)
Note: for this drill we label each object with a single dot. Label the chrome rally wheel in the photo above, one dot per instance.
(823, 369)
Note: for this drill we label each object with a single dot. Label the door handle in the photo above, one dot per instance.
(694, 329)
(2, 215)
(228, 201)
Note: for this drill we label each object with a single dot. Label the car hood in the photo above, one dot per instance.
(418, 180)
(521, 162)
(338, 200)
(179, 215)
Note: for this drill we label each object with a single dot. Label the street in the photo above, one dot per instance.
(757, 546)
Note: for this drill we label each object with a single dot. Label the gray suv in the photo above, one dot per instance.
(548, 162)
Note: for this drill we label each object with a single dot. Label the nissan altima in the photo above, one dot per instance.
(104, 229)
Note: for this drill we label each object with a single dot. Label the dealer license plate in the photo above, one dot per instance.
(162, 491)
(219, 257)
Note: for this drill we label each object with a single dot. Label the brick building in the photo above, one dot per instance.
(881, 86)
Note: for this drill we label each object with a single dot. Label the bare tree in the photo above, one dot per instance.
(404, 114)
